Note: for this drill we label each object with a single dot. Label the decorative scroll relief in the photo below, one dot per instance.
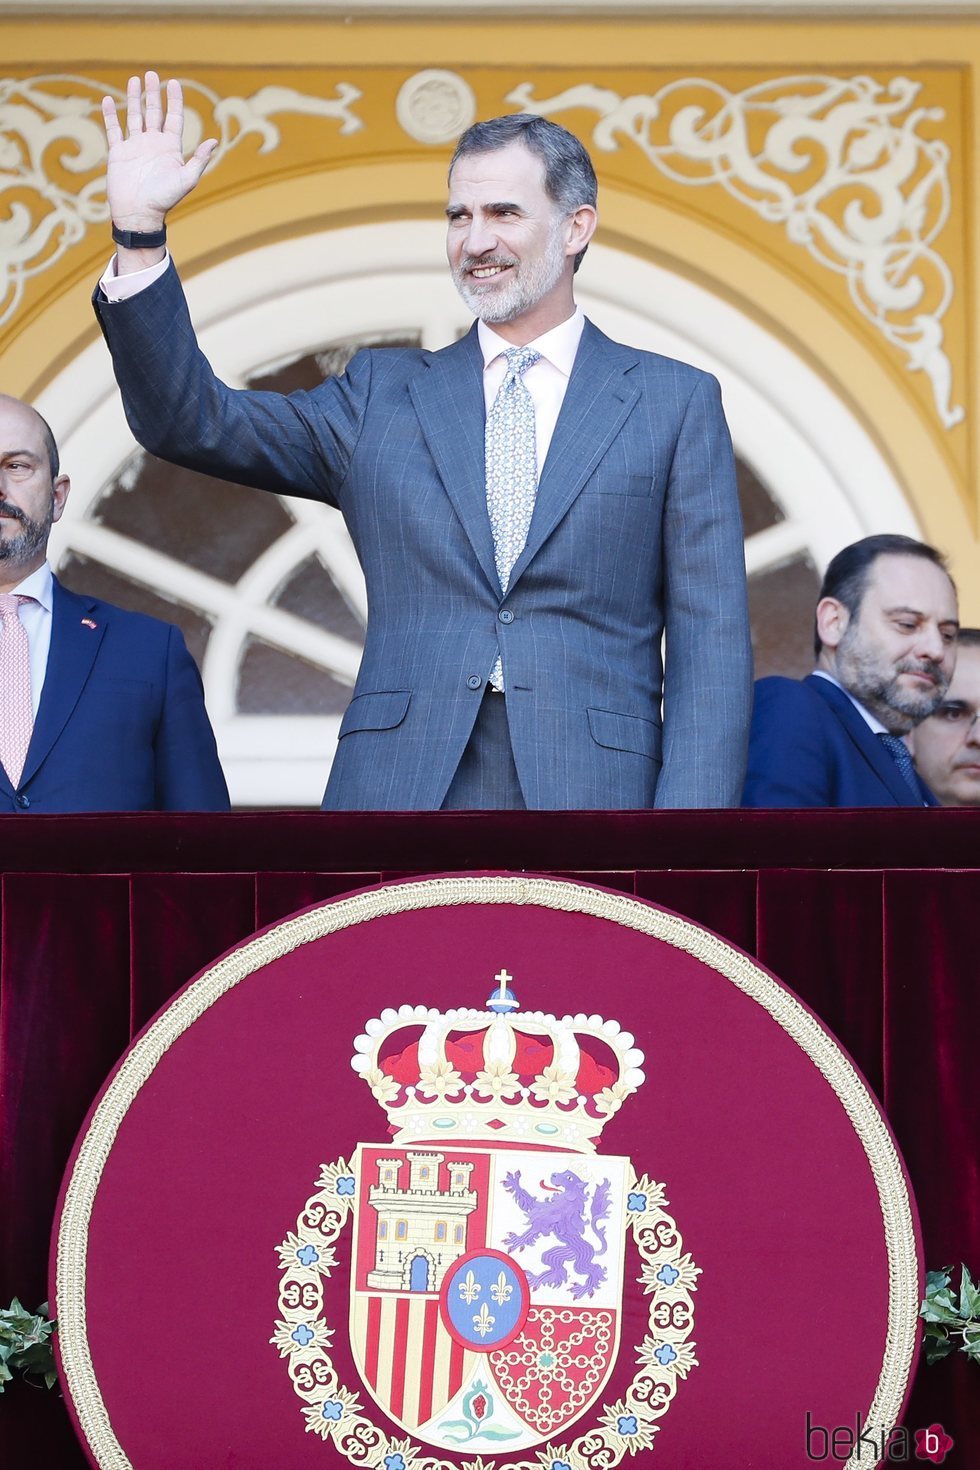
(50, 136)
(839, 162)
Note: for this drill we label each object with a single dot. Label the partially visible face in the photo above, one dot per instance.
(947, 745)
(897, 653)
(30, 498)
(506, 241)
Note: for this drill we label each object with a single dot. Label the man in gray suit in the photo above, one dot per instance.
(534, 507)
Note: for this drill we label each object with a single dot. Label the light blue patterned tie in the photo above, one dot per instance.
(512, 470)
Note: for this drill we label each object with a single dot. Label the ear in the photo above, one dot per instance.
(832, 620)
(59, 494)
(580, 226)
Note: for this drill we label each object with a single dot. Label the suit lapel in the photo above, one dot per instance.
(864, 738)
(597, 402)
(72, 653)
(448, 398)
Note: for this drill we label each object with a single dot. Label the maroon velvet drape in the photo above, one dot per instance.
(871, 917)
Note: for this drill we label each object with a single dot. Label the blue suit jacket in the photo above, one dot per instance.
(636, 527)
(809, 746)
(121, 725)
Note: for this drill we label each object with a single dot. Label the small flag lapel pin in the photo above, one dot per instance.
(87, 623)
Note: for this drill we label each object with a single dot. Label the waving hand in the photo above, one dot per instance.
(147, 172)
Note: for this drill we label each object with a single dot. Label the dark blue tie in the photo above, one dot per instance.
(899, 753)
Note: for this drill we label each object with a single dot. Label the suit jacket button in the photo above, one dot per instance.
(506, 616)
(22, 800)
(474, 681)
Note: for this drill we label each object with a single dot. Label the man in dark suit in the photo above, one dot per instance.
(533, 507)
(886, 646)
(100, 709)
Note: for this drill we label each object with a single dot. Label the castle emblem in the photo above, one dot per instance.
(489, 1252)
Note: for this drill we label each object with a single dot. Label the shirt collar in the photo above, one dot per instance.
(39, 585)
(870, 720)
(558, 346)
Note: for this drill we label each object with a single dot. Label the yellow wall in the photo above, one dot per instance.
(315, 174)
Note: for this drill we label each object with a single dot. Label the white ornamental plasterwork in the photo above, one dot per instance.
(872, 215)
(55, 123)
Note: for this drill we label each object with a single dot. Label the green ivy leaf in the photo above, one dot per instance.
(969, 1296)
(937, 1348)
(940, 1308)
(25, 1343)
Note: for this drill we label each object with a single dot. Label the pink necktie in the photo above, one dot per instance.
(16, 712)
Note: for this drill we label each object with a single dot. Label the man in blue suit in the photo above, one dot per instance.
(534, 507)
(886, 647)
(100, 709)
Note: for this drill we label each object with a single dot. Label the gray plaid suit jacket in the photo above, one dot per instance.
(636, 530)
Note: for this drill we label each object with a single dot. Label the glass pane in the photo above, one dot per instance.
(311, 593)
(208, 524)
(781, 606)
(271, 682)
(759, 510)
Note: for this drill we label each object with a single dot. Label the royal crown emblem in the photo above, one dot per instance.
(489, 1256)
(500, 1074)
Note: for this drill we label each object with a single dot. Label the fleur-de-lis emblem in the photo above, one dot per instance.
(470, 1288)
(483, 1322)
(501, 1290)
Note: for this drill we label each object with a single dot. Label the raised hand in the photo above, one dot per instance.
(147, 173)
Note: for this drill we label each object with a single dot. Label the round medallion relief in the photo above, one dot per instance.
(435, 106)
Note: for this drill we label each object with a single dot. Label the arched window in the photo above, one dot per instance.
(440, 1230)
(401, 1229)
(382, 1229)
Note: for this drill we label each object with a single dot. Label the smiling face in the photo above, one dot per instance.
(896, 653)
(947, 745)
(511, 248)
(31, 498)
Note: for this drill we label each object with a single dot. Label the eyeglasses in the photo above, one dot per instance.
(955, 712)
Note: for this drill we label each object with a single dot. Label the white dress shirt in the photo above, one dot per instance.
(546, 380)
(35, 618)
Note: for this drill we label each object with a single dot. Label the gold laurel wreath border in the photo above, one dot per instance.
(560, 895)
(585, 1450)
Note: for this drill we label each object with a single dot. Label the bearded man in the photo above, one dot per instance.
(534, 507)
(885, 641)
(100, 709)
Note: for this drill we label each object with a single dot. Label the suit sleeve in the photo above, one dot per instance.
(187, 773)
(295, 444)
(708, 670)
(789, 757)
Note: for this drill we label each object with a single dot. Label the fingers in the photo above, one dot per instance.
(134, 109)
(152, 112)
(199, 160)
(154, 106)
(110, 117)
(175, 107)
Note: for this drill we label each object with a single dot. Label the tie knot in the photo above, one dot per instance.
(519, 359)
(10, 605)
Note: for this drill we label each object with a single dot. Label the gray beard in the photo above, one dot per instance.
(33, 539)
(898, 709)
(495, 304)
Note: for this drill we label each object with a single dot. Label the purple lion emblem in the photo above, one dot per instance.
(564, 1215)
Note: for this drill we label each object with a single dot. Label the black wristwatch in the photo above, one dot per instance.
(140, 239)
